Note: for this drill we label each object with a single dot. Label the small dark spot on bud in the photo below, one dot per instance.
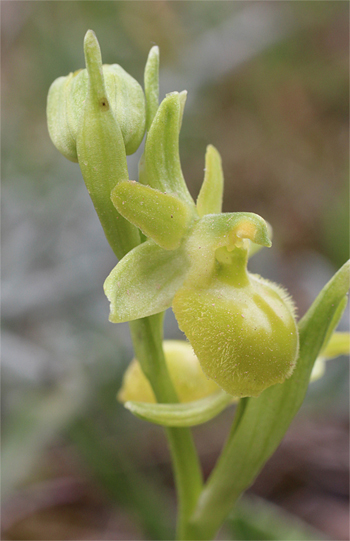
(104, 104)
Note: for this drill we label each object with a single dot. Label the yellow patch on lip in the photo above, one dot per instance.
(244, 230)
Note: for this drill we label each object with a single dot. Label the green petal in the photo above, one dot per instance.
(162, 161)
(144, 282)
(209, 200)
(152, 85)
(162, 217)
(188, 414)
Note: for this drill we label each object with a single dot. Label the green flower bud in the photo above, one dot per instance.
(185, 371)
(65, 107)
(241, 327)
(96, 116)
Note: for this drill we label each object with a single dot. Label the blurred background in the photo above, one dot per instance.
(268, 86)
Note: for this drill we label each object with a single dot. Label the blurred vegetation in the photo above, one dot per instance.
(268, 86)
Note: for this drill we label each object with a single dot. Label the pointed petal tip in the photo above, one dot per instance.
(172, 94)
(154, 51)
(92, 51)
(211, 149)
(90, 39)
(89, 32)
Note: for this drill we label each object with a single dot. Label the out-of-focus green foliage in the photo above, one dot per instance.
(254, 518)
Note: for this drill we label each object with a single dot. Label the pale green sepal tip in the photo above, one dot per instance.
(151, 78)
(162, 217)
(182, 415)
(209, 200)
(93, 61)
(144, 282)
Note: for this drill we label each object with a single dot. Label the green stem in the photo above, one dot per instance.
(147, 334)
(204, 525)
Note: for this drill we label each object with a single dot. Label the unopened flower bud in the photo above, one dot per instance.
(95, 117)
(185, 371)
(65, 107)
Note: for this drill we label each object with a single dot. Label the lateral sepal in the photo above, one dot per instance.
(144, 282)
(182, 415)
